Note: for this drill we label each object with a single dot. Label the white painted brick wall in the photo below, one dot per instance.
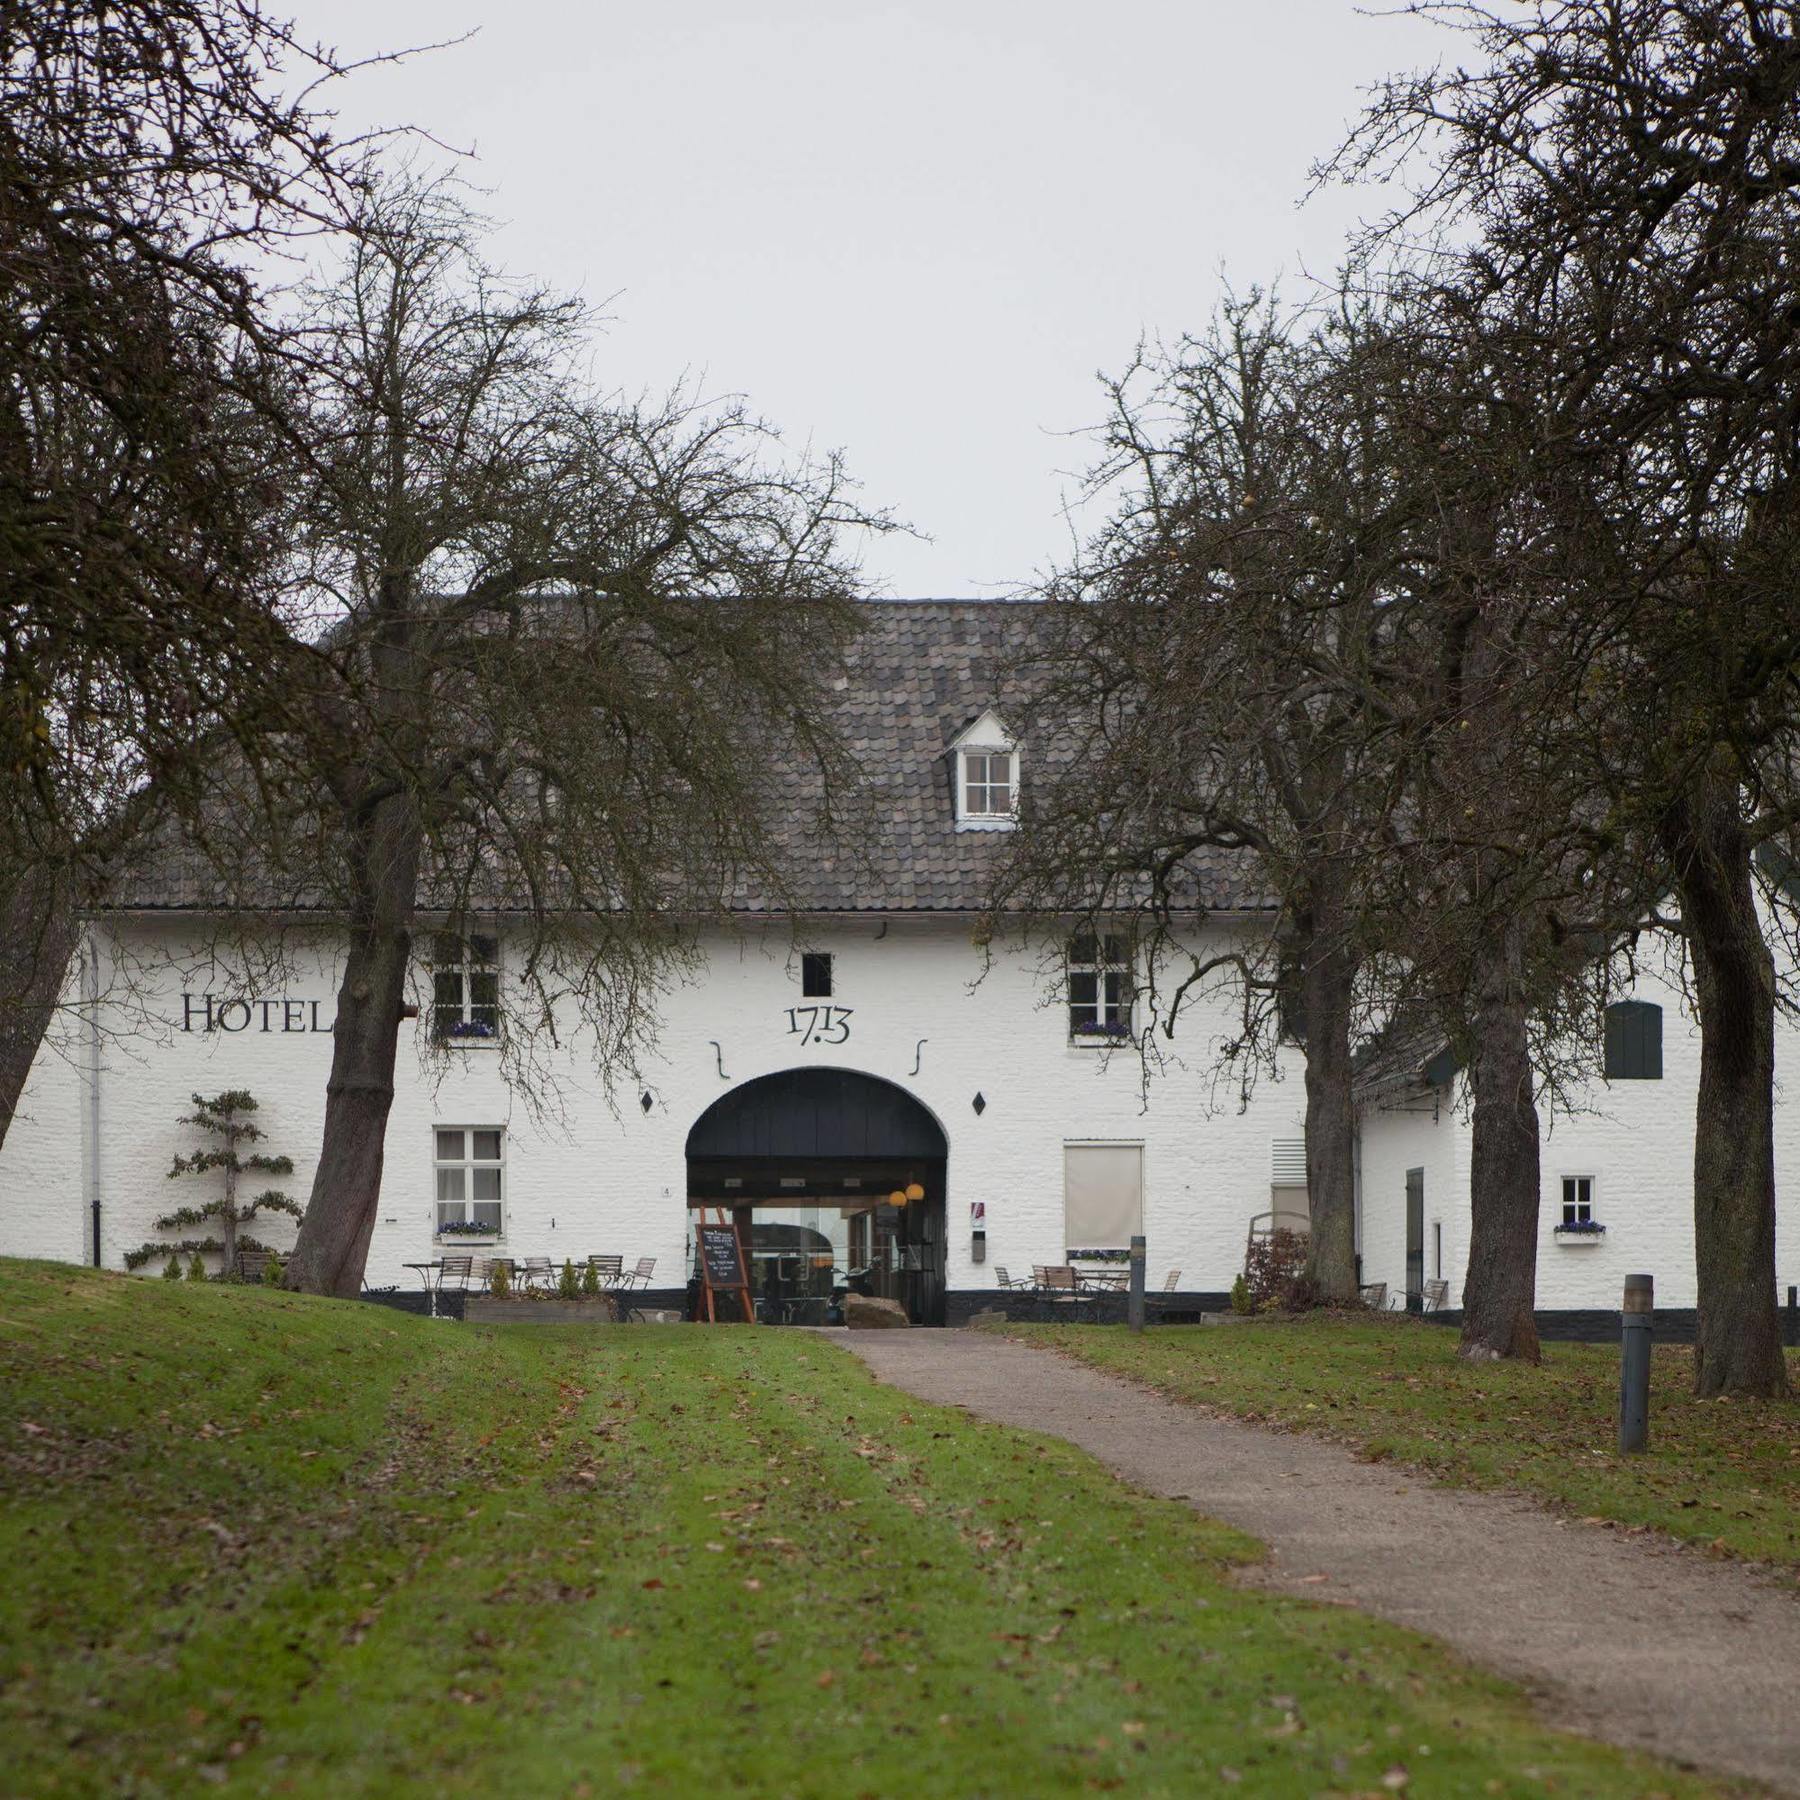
(614, 1178)
(1634, 1137)
(42, 1209)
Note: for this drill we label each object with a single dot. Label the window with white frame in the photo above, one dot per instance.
(1103, 1196)
(1099, 989)
(988, 788)
(469, 1164)
(1577, 1200)
(465, 989)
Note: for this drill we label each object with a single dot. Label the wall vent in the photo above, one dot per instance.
(1287, 1162)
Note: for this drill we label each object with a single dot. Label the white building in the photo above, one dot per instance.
(809, 1069)
(1617, 1168)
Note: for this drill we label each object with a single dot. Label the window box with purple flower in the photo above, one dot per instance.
(465, 990)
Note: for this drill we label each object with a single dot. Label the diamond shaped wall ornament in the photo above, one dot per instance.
(645, 1100)
(980, 1106)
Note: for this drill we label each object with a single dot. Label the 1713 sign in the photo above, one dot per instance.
(820, 1024)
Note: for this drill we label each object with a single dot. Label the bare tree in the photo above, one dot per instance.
(151, 156)
(1217, 678)
(1493, 909)
(1627, 175)
(563, 641)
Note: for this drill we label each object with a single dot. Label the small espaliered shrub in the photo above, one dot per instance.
(568, 1286)
(499, 1279)
(196, 1270)
(590, 1282)
(227, 1117)
(172, 1269)
(272, 1272)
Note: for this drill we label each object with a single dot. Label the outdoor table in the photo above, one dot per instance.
(425, 1270)
(1103, 1285)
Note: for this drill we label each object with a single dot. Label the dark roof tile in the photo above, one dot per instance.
(917, 676)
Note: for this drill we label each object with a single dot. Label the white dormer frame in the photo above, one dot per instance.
(987, 793)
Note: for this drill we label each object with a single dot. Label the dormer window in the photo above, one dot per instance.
(987, 777)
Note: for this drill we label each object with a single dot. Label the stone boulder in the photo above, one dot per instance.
(863, 1312)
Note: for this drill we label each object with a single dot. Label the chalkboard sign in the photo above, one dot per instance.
(720, 1257)
(722, 1267)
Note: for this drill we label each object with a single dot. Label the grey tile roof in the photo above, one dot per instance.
(917, 676)
(914, 680)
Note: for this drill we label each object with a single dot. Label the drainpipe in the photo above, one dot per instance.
(90, 999)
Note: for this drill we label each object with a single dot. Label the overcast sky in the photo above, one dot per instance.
(913, 231)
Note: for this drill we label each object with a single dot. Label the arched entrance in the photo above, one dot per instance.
(808, 1160)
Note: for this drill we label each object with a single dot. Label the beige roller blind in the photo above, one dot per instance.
(1103, 1195)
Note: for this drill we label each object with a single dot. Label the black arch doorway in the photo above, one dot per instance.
(832, 1145)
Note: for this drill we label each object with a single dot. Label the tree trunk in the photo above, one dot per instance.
(333, 1246)
(1500, 1290)
(1328, 978)
(228, 1219)
(1737, 1347)
(39, 933)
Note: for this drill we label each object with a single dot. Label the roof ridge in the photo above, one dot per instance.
(950, 600)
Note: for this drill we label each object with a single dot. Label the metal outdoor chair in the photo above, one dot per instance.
(484, 1271)
(1009, 1281)
(1063, 1292)
(1373, 1295)
(250, 1265)
(455, 1272)
(607, 1269)
(640, 1276)
(1437, 1294)
(538, 1269)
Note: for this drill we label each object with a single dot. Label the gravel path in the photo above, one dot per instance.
(1623, 1638)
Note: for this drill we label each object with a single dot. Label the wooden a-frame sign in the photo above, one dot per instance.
(722, 1266)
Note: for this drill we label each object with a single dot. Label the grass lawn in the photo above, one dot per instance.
(293, 1546)
(1723, 1473)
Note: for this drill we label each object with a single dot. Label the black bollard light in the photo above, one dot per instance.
(1134, 1301)
(1634, 1364)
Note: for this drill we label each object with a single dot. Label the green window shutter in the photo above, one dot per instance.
(1634, 1041)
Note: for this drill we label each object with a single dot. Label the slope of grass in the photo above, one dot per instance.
(291, 1546)
(1723, 1473)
